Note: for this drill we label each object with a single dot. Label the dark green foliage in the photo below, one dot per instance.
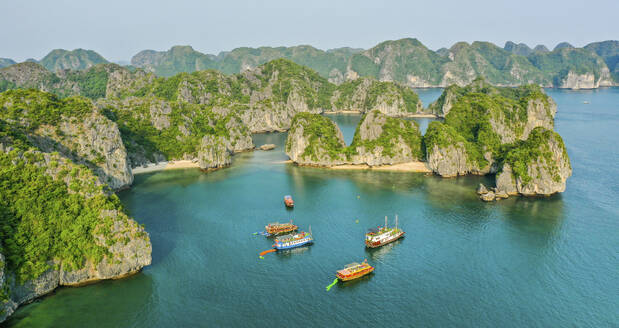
(92, 82)
(38, 107)
(322, 134)
(364, 66)
(315, 89)
(609, 51)
(474, 106)
(77, 59)
(561, 61)
(443, 136)
(41, 220)
(522, 154)
(137, 131)
(6, 85)
(392, 130)
(389, 91)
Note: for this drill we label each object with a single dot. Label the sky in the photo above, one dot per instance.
(118, 29)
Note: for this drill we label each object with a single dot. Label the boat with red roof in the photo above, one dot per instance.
(354, 271)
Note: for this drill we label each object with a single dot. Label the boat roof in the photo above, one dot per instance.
(351, 265)
(287, 196)
(277, 223)
(374, 230)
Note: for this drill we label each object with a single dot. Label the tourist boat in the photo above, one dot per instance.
(294, 240)
(383, 235)
(277, 228)
(288, 201)
(354, 270)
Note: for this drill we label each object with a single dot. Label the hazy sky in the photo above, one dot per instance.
(118, 29)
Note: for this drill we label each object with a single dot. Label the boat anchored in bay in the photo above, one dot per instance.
(354, 270)
(377, 237)
(277, 228)
(292, 241)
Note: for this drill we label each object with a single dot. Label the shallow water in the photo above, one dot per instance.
(519, 262)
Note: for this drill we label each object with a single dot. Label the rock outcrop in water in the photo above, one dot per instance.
(379, 140)
(315, 140)
(383, 140)
(365, 95)
(79, 234)
(536, 166)
(499, 130)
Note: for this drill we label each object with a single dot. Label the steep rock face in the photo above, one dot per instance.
(239, 137)
(381, 140)
(33, 75)
(94, 141)
(315, 140)
(7, 305)
(505, 180)
(123, 245)
(121, 81)
(586, 80)
(540, 112)
(540, 166)
(80, 132)
(450, 161)
(155, 129)
(213, 153)
(365, 95)
(442, 105)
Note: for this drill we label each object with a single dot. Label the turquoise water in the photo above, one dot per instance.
(520, 262)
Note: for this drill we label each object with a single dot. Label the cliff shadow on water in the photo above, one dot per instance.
(129, 299)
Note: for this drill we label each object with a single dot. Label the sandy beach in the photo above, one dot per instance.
(184, 164)
(402, 167)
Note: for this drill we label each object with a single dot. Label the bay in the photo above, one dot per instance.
(519, 262)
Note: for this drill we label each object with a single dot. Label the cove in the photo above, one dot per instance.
(519, 262)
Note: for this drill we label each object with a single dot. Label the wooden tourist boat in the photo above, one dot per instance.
(380, 236)
(277, 228)
(354, 270)
(294, 240)
(288, 201)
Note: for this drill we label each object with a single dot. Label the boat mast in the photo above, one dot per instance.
(385, 221)
(310, 229)
(396, 222)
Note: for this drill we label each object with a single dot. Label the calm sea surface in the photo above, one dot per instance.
(550, 262)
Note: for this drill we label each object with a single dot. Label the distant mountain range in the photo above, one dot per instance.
(407, 61)
(60, 59)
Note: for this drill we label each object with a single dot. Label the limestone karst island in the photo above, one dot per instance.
(375, 183)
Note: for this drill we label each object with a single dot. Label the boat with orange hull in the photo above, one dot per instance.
(288, 201)
(277, 228)
(384, 235)
(354, 270)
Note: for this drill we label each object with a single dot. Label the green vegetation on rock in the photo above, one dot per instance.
(77, 59)
(522, 154)
(392, 130)
(322, 136)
